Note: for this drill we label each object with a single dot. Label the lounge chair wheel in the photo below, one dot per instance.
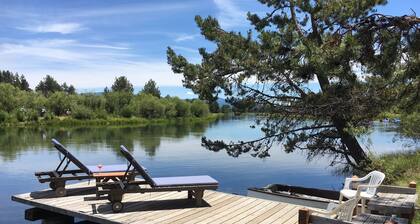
(53, 186)
(60, 192)
(117, 207)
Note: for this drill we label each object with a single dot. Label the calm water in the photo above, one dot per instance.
(168, 150)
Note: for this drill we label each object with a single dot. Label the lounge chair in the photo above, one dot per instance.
(195, 185)
(343, 214)
(58, 177)
(367, 191)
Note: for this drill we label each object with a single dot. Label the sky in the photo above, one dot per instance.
(89, 43)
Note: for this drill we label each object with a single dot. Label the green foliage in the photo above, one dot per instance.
(60, 103)
(48, 86)
(14, 79)
(199, 108)
(67, 106)
(148, 106)
(121, 84)
(410, 124)
(68, 89)
(93, 101)
(364, 63)
(400, 169)
(182, 107)
(26, 115)
(8, 99)
(116, 101)
(397, 166)
(170, 108)
(82, 112)
(3, 116)
(127, 111)
(151, 88)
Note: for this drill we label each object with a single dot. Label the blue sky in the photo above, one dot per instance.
(89, 43)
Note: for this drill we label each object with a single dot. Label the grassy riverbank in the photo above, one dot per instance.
(400, 169)
(70, 121)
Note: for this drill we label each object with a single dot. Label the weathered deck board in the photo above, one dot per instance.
(393, 203)
(162, 207)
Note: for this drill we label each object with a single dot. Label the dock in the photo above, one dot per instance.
(157, 207)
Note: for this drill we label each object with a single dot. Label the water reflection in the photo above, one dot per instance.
(15, 140)
(166, 150)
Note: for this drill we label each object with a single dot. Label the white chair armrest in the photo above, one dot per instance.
(347, 182)
(328, 213)
(363, 186)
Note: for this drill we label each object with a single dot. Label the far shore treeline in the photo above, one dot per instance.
(52, 102)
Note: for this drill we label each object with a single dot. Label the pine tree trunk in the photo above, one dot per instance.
(352, 144)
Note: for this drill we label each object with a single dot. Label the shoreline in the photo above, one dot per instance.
(113, 121)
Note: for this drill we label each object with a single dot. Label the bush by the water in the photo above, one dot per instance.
(199, 108)
(18, 105)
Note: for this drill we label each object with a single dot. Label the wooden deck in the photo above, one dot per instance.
(162, 207)
(394, 200)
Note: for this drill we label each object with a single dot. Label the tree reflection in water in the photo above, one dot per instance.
(14, 141)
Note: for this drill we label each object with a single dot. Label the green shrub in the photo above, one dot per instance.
(59, 103)
(101, 114)
(82, 112)
(182, 108)
(8, 97)
(170, 108)
(20, 115)
(126, 111)
(199, 108)
(32, 115)
(3, 116)
(116, 101)
(148, 106)
(93, 101)
(48, 116)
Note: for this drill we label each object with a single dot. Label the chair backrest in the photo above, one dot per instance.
(137, 166)
(345, 210)
(70, 156)
(375, 178)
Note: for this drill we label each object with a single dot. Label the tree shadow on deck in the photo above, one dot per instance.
(70, 192)
(139, 206)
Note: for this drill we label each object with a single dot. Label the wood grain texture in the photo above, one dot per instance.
(162, 207)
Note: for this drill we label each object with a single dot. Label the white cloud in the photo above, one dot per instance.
(63, 28)
(190, 93)
(230, 15)
(62, 50)
(76, 63)
(130, 9)
(184, 37)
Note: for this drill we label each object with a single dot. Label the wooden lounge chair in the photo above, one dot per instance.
(195, 185)
(367, 191)
(58, 177)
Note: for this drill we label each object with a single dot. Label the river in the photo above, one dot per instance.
(168, 150)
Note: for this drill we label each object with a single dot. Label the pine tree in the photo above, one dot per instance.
(151, 88)
(359, 59)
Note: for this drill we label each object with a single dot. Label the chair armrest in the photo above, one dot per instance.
(316, 211)
(361, 186)
(348, 181)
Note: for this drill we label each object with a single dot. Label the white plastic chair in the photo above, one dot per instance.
(366, 190)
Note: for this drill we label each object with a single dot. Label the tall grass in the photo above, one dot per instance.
(400, 169)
